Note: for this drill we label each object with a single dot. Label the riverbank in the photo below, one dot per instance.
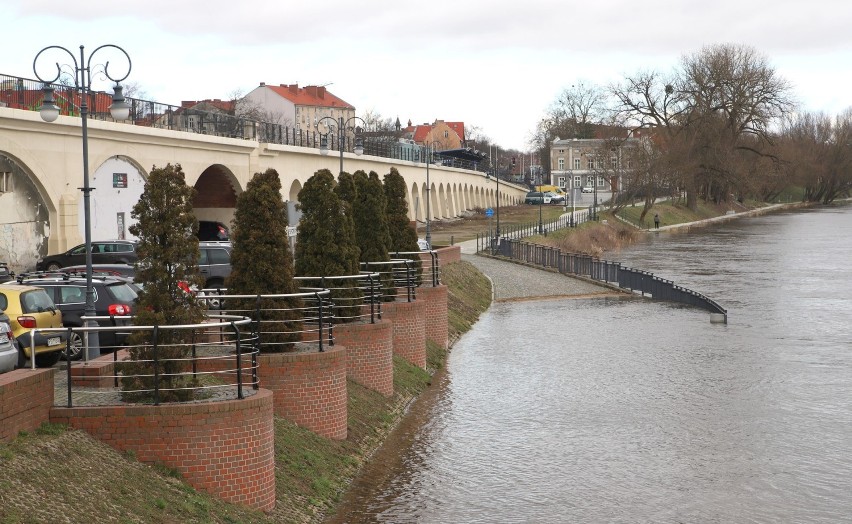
(58, 474)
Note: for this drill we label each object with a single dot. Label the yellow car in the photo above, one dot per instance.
(29, 307)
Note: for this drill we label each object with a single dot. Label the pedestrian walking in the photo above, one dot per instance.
(656, 221)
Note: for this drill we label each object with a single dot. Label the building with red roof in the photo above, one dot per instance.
(443, 135)
(295, 106)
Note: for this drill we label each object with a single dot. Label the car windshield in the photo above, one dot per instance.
(36, 301)
(122, 292)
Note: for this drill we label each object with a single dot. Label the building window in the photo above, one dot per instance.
(561, 150)
(590, 181)
(577, 165)
(613, 162)
(561, 164)
(591, 162)
(578, 181)
(5, 182)
(446, 134)
(561, 181)
(600, 181)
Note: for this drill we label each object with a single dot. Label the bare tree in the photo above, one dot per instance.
(711, 117)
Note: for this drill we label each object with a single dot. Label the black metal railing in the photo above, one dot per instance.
(175, 352)
(427, 268)
(281, 320)
(27, 94)
(353, 297)
(488, 240)
(614, 273)
(398, 277)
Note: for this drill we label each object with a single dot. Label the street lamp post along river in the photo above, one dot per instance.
(341, 126)
(119, 109)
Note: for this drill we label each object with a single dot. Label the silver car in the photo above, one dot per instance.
(8, 348)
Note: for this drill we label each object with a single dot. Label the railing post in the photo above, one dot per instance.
(239, 361)
(68, 362)
(156, 349)
(319, 317)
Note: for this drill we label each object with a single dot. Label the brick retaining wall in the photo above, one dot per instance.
(223, 448)
(369, 354)
(26, 397)
(437, 323)
(409, 329)
(309, 388)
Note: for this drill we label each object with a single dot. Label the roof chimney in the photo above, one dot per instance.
(293, 88)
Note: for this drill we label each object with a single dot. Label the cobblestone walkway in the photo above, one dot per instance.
(513, 281)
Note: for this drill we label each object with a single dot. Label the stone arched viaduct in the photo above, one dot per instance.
(41, 210)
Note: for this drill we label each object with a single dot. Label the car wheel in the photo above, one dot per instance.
(46, 360)
(214, 283)
(76, 351)
(53, 266)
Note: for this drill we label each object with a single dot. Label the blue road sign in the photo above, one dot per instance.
(489, 212)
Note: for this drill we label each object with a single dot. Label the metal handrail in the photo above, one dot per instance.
(237, 342)
(399, 272)
(346, 305)
(417, 256)
(614, 273)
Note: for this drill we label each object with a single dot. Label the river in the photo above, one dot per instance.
(628, 410)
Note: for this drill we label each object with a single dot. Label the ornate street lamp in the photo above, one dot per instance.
(119, 109)
(341, 126)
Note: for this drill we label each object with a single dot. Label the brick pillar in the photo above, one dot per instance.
(224, 448)
(409, 329)
(309, 388)
(26, 397)
(437, 324)
(369, 353)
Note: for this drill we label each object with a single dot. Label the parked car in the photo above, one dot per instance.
(5, 274)
(536, 197)
(113, 297)
(214, 263)
(118, 270)
(556, 198)
(103, 252)
(28, 308)
(212, 231)
(8, 347)
(588, 190)
(423, 245)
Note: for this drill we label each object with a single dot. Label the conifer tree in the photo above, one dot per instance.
(325, 241)
(345, 189)
(167, 267)
(403, 237)
(262, 264)
(325, 238)
(371, 226)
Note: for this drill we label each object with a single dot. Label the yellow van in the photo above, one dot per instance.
(550, 189)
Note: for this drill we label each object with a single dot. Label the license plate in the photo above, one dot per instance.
(53, 341)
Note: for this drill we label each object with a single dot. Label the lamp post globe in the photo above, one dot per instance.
(340, 126)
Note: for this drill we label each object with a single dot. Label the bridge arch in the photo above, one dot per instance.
(26, 213)
(216, 194)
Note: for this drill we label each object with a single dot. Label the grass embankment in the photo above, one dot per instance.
(445, 232)
(612, 233)
(59, 475)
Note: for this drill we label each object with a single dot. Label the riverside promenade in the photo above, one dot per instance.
(513, 281)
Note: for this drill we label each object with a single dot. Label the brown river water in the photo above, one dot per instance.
(613, 410)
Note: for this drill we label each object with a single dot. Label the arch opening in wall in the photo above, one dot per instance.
(216, 194)
(25, 215)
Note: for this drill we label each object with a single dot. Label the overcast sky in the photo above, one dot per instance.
(494, 64)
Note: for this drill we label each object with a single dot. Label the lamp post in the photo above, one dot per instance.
(341, 125)
(540, 202)
(430, 147)
(120, 110)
